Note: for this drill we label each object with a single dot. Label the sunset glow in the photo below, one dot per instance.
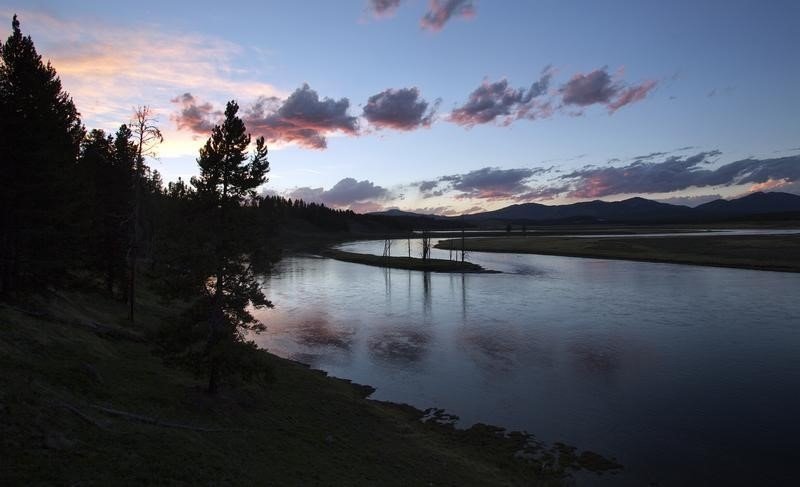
(461, 95)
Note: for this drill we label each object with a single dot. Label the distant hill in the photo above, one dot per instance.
(396, 212)
(633, 210)
(752, 204)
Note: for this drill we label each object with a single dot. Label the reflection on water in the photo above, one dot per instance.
(688, 375)
(404, 346)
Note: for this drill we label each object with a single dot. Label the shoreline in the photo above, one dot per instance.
(77, 378)
(763, 253)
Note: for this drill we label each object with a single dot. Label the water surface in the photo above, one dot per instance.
(687, 375)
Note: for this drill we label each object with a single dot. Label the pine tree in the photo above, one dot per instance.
(40, 133)
(209, 259)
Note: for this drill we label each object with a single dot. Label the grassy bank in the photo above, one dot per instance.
(410, 263)
(85, 401)
(776, 253)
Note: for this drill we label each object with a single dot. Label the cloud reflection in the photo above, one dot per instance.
(401, 346)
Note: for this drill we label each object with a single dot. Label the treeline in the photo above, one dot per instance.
(285, 209)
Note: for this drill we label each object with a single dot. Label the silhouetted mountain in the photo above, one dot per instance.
(633, 209)
(640, 210)
(752, 204)
(396, 212)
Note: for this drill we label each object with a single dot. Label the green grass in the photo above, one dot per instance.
(303, 429)
(411, 263)
(763, 252)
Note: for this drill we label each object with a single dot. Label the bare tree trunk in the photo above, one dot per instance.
(133, 249)
(463, 246)
(148, 136)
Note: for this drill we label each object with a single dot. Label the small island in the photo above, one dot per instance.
(409, 263)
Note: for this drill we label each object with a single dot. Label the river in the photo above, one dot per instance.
(685, 374)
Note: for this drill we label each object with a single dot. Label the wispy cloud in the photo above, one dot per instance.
(690, 200)
(441, 11)
(383, 8)
(488, 183)
(631, 94)
(678, 173)
(108, 68)
(671, 178)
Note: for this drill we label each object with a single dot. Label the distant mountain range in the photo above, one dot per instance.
(634, 210)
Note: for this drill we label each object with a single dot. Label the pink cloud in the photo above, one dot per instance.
(303, 118)
(769, 185)
(632, 95)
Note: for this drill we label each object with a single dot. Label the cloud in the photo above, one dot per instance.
(656, 173)
(588, 89)
(427, 186)
(677, 173)
(109, 68)
(490, 183)
(473, 209)
(649, 156)
(303, 118)
(499, 102)
(348, 192)
(770, 185)
(598, 87)
(491, 101)
(690, 200)
(401, 109)
(383, 8)
(542, 193)
(366, 207)
(631, 95)
(437, 210)
(194, 116)
(441, 11)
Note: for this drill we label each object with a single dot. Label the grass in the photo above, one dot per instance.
(411, 263)
(762, 252)
(303, 429)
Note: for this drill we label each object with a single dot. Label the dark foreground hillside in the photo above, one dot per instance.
(85, 401)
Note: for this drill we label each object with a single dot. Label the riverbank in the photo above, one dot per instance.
(409, 263)
(84, 399)
(761, 252)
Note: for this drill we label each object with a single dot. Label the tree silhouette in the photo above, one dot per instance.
(146, 136)
(226, 183)
(40, 135)
(106, 179)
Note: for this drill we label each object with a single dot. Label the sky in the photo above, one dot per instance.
(451, 106)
